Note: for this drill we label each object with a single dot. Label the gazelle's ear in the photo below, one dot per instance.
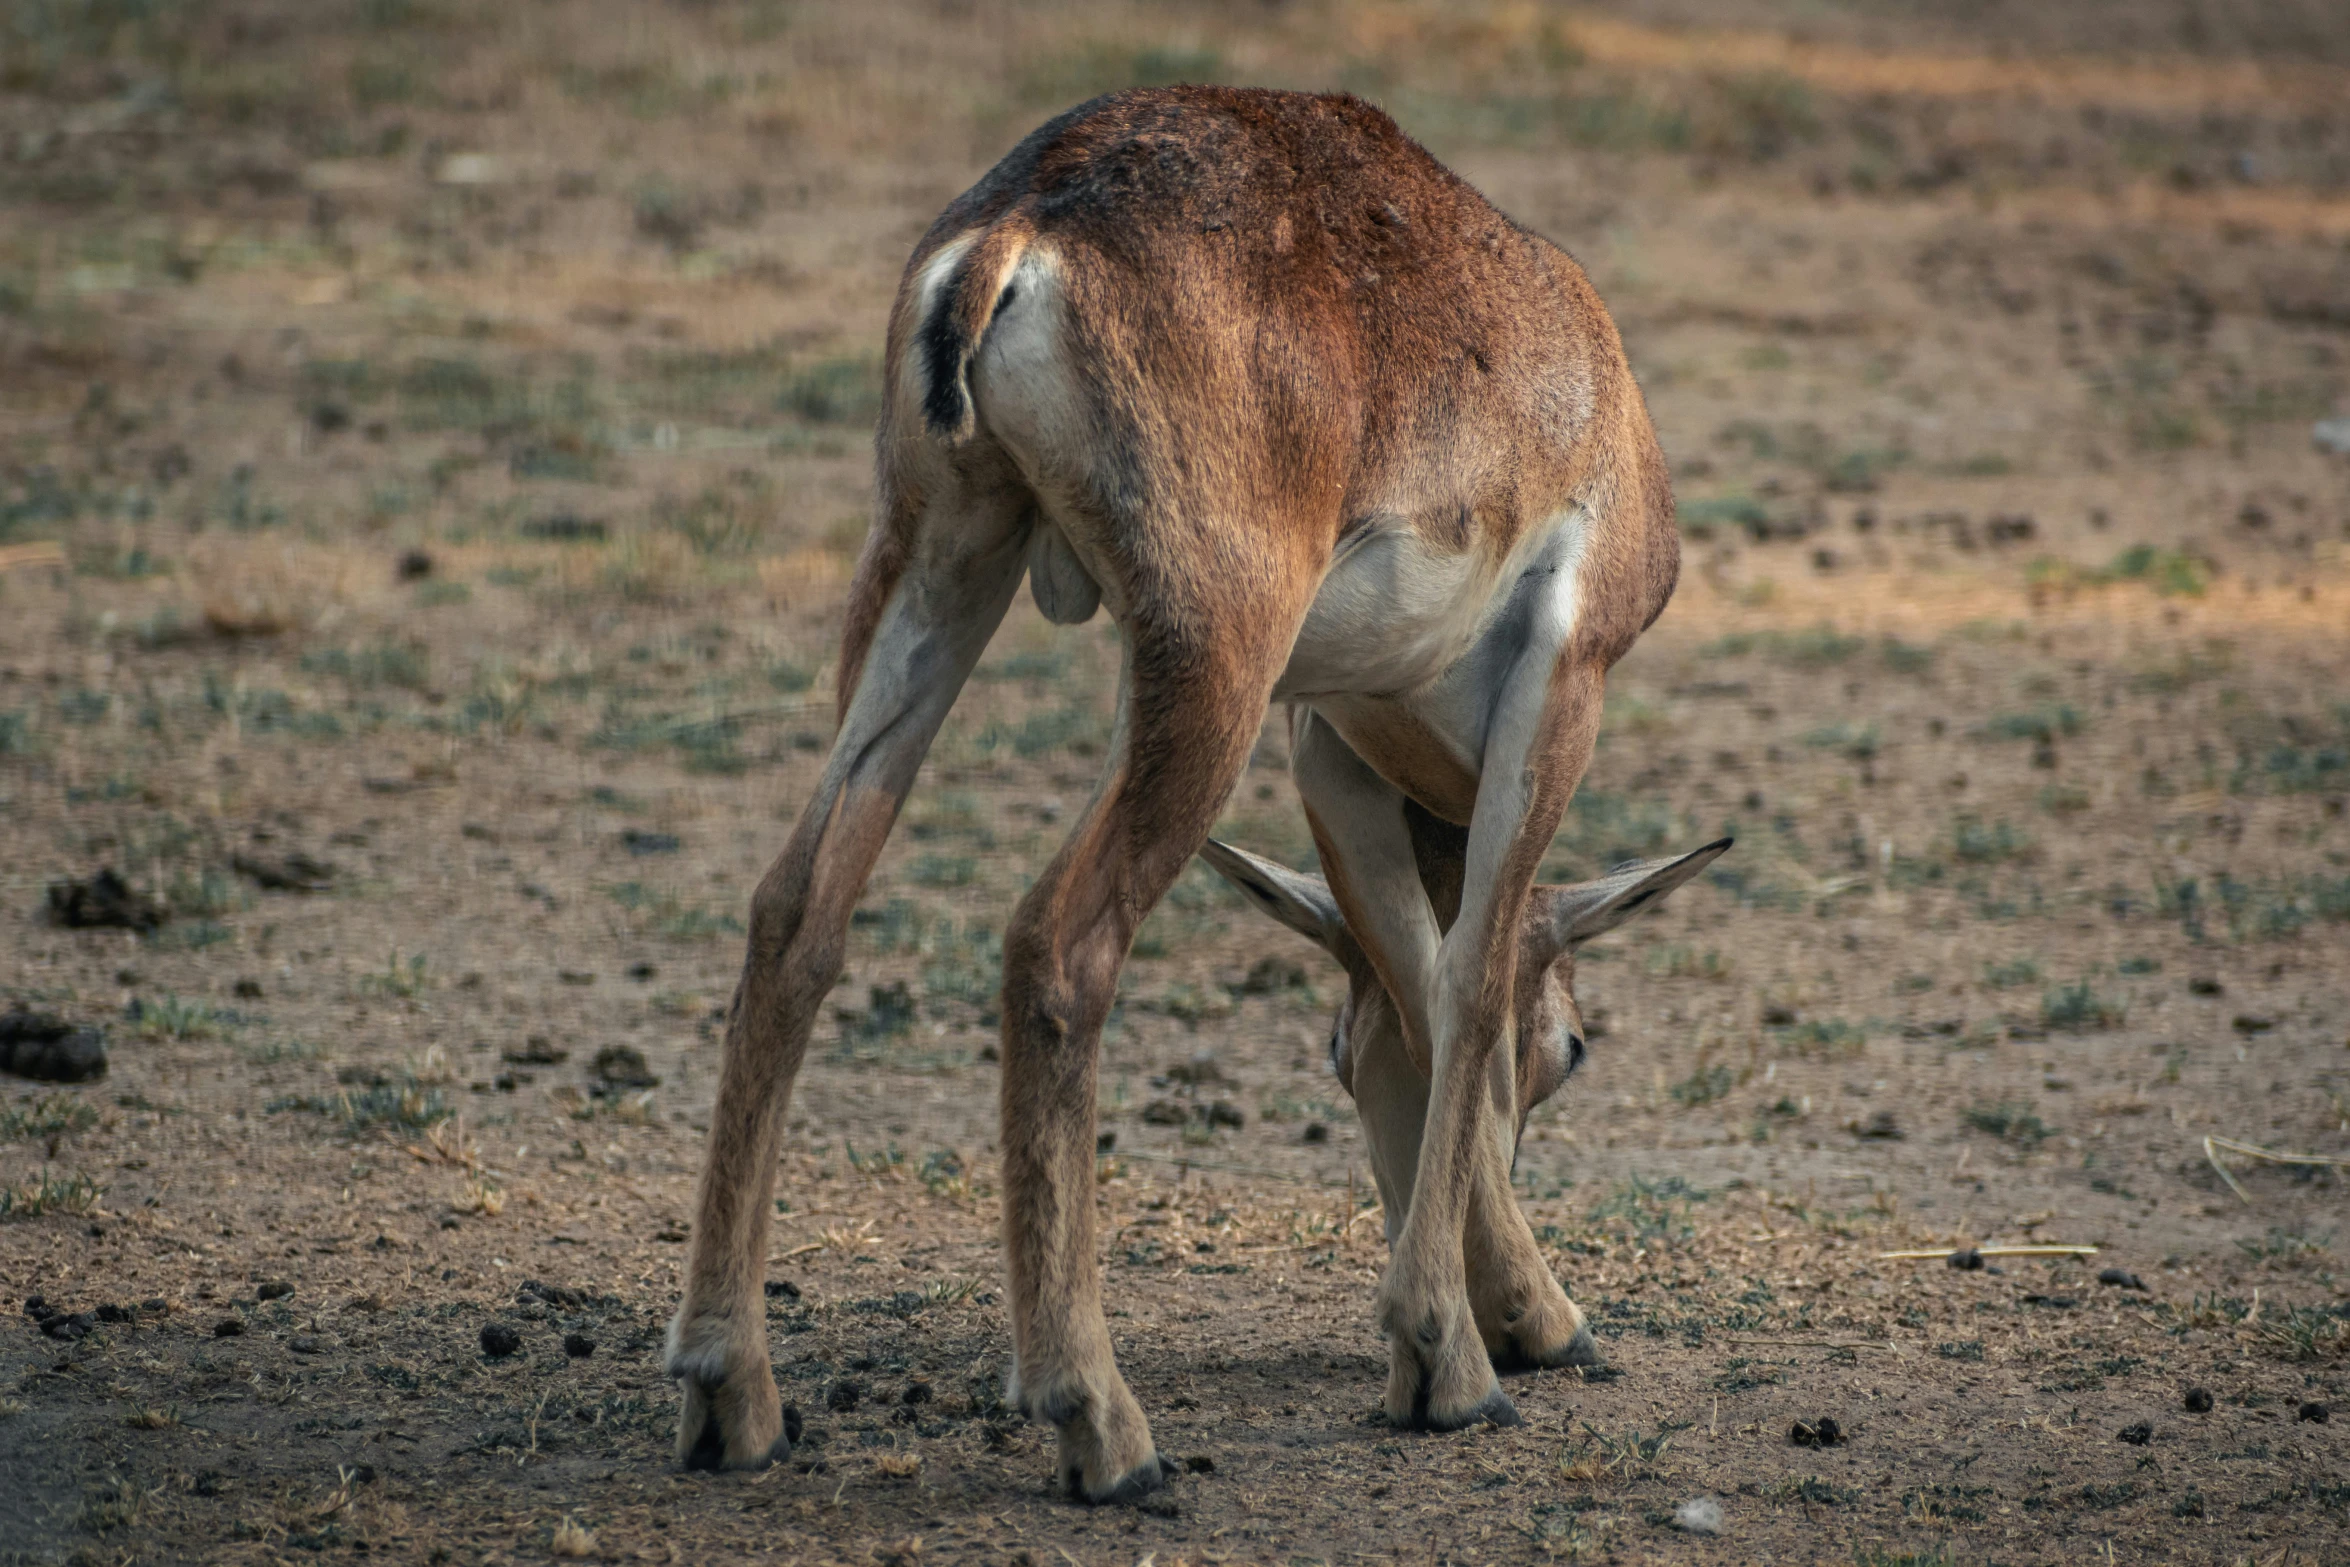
(1590, 908)
(1298, 900)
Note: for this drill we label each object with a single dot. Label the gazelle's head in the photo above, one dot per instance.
(1557, 921)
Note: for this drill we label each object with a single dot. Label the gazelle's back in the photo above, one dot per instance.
(1249, 308)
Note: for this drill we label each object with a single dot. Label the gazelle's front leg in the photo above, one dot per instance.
(1379, 856)
(931, 628)
(1365, 846)
(1440, 1369)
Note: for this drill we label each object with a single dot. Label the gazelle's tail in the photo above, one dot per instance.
(957, 319)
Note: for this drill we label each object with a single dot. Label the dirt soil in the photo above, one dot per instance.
(432, 447)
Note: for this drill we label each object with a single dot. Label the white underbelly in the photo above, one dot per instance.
(1393, 616)
(1405, 651)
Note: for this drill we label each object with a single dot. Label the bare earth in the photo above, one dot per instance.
(455, 435)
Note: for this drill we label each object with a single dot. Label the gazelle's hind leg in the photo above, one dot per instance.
(937, 594)
(1196, 686)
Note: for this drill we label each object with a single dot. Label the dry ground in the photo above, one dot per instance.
(455, 431)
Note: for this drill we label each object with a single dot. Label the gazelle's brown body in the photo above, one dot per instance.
(1318, 425)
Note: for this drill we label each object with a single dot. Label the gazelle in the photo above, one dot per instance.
(1318, 426)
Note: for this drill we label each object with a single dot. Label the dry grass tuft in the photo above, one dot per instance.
(572, 1540)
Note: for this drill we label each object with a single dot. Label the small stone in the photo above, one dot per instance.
(2138, 1435)
(2314, 1412)
(1967, 1261)
(1199, 1464)
(2197, 1401)
(229, 1327)
(415, 565)
(536, 1051)
(578, 1345)
(1698, 1515)
(915, 1393)
(624, 1066)
(1225, 1113)
(104, 901)
(499, 1340)
(1271, 975)
(275, 1289)
(1823, 1432)
(66, 1326)
(782, 1289)
(1881, 1127)
(47, 1049)
(842, 1396)
(306, 1344)
(641, 843)
(2120, 1278)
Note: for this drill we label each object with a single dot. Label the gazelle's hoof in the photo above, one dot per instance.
(1511, 1359)
(1493, 1409)
(729, 1416)
(1140, 1481)
(1105, 1449)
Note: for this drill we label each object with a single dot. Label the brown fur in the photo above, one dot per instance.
(1278, 325)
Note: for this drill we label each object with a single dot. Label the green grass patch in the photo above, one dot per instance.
(1854, 742)
(2011, 1123)
(1678, 960)
(1604, 828)
(1073, 729)
(1829, 1037)
(834, 391)
(2170, 573)
(666, 915)
(398, 980)
(1648, 1213)
(401, 1104)
(1704, 1086)
(1816, 648)
(171, 1017)
(2046, 724)
(2078, 1008)
(1974, 841)
(47, 1193)
(16, 734)
(1702, 518)
(51, 1115)
(406, 665)
(2007, 976)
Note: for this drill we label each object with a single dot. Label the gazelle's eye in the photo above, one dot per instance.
(1574, 1051)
